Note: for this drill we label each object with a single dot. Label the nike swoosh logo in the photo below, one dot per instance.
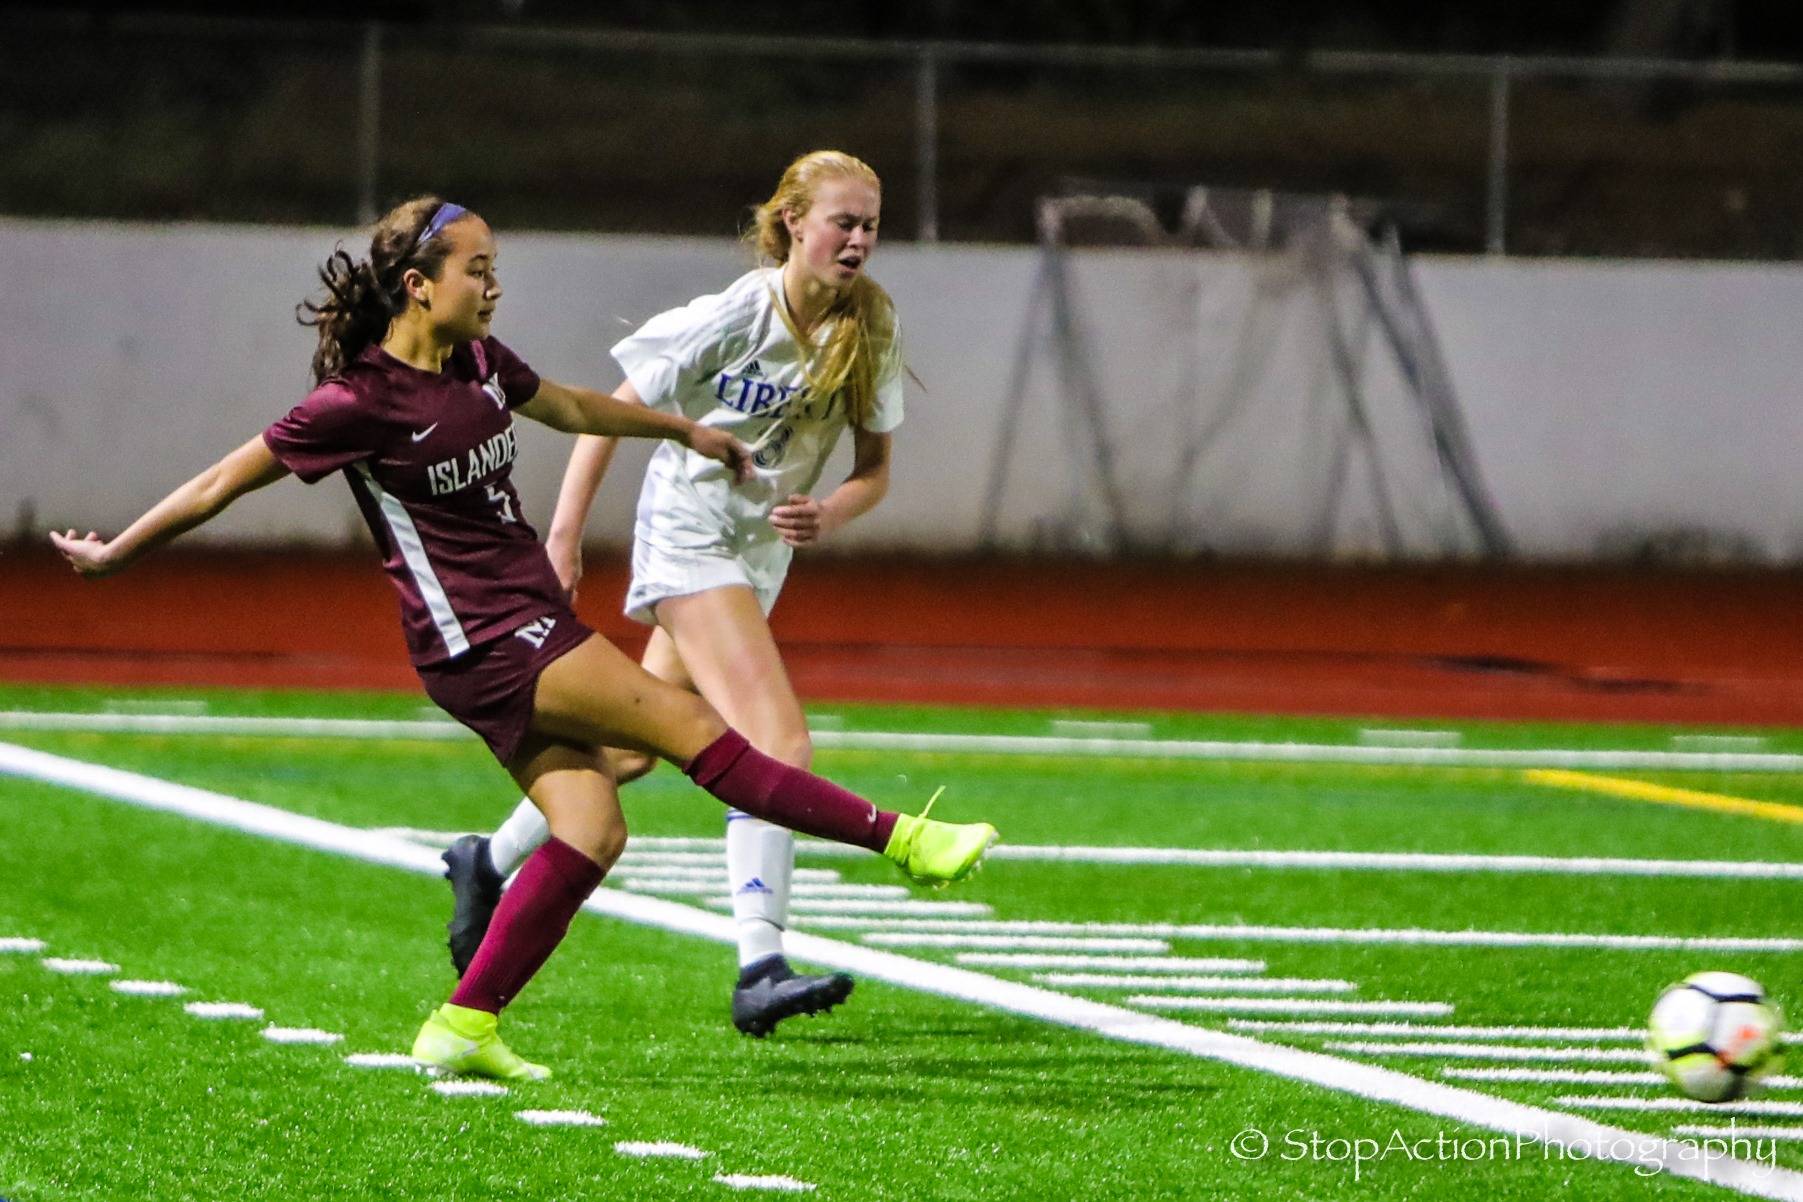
(420, 437)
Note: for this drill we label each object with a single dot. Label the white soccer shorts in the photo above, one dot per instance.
(661, 571)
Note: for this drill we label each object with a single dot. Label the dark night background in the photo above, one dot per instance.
(325, 111)
(1743, 29)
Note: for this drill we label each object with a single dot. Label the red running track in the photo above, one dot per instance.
(1425, 642)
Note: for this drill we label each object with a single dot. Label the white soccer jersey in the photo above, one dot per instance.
(728, 360)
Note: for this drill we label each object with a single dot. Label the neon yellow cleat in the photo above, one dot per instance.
(461, 1041)
(938, 853)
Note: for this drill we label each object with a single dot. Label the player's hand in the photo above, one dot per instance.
(802, 520)
(566, 561)
(721, 446)
(89, 556)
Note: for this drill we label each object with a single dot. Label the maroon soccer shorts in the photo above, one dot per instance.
(490, 688)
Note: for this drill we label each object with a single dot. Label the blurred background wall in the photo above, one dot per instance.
(1616, 410)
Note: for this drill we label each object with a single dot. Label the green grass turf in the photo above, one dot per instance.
(898, 1095)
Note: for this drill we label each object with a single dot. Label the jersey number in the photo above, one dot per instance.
(503, 502)
(771, 453)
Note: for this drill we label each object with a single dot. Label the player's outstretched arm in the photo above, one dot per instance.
(802, 520)
(585, 411)
(246, 469)
(589, 460)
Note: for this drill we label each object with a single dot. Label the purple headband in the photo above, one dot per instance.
(442, 216)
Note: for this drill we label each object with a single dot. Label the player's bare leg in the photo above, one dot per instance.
(723, 642)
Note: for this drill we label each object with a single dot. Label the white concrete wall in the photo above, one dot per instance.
(1600, 397)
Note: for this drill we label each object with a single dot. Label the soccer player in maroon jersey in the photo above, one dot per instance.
(414, 404)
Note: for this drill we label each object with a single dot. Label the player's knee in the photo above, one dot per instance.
(611, 842)
(600, 837)
(628, 766)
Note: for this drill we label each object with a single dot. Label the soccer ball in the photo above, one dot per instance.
(1714, 1034)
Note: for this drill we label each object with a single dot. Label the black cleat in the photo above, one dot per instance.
(769, 991)
(476, 886)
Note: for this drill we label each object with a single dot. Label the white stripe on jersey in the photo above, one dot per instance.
(413, 550)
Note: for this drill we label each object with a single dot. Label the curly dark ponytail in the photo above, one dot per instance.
(362, 297)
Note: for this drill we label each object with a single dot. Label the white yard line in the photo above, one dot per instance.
(560, 1118)
(696, 887)
(224, 1010)
(1047, 943)
(1556, 1076)
(78, 967)
(1130, 748)
(436, 839)
(1347, 861)
(713, 874)
(636, 860)
(148, 988)
(632, 1147)
(15, 943)
(1287, 1005)
(1370, 1082)
(811, 888)
(1407, 1030)
(803, 907)
(676, 886)
(1410, 1030)
(1588, 1076)
(1025, 960)
(779, 1183)
(1181, 984)
(1493, 1051)
(1405, 936)
(1372, 861)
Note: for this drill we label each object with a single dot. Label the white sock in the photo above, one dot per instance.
(524, 832)
(760, 858)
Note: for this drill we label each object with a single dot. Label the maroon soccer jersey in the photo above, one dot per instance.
(429, 456)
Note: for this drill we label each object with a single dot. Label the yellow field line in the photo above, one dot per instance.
(1637, 790)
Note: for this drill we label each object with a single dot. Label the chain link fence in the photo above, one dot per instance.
(188, 119)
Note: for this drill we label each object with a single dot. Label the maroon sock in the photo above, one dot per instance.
(530, 921)
(746, 779)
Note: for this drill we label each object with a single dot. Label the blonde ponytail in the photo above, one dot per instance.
(859, 327)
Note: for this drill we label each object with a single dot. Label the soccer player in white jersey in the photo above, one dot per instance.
(787, 358)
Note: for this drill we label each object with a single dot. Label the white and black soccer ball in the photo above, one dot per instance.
(1714, 1034)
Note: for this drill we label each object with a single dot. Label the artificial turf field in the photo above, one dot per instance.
(901, 1093)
